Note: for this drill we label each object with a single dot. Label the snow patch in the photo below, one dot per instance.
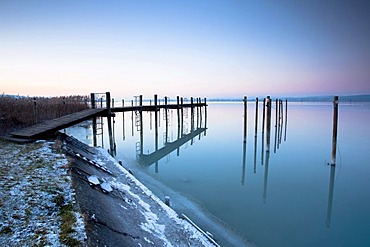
(32, 176)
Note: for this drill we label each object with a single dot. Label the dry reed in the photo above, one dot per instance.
(20, 112)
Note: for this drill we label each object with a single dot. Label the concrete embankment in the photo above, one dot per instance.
(119, 209)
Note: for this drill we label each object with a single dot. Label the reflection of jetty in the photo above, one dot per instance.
(149, 159)
(137, 109)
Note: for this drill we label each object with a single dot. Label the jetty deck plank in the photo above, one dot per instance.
(53, 125)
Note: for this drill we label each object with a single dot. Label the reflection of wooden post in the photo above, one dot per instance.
(335, 131)
(244, 161)
(245, 119)
(331, 195)
(156, 128)
(110, 133)
(102, 132)
(263, 129)
(94, 131)
(255, 154)
(265, 180)
(268, 123)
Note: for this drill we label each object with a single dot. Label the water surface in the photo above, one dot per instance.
(289, 196)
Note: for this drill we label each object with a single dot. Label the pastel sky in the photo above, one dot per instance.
(200, 48)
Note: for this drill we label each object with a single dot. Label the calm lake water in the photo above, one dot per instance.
(290, 196)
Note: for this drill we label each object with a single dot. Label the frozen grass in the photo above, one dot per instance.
(36, 198)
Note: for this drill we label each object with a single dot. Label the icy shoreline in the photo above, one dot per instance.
(35, 192)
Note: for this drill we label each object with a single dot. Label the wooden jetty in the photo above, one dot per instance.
(47, 128)
(51, 126)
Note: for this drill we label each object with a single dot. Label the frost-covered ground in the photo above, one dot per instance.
(36, 198)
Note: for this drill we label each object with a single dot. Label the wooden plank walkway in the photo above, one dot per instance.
(51, 126)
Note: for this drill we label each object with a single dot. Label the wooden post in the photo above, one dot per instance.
(92, 99)
(123, 121)
(200, 114)
(263, 130)
(167, 201)
(156, 113)
(178, 111)
(107, 100)
(281, 120)
(256, 120)
(166, 119)
(198, 99)
(205, 115)
(286, 118)
(155, 101)
(268, 123)
(34, 110)
(245, 119)
(276, 122)
(335, 131)
(182, 116)
(178, 124)
(192, 114)
(263, 115)
(132, 119)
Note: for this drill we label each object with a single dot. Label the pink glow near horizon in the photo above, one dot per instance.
(209, 49)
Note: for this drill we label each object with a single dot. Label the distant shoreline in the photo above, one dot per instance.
(326, 98)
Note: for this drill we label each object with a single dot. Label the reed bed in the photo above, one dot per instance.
(18, 112)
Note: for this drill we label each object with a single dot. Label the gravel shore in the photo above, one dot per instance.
(46, 200)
